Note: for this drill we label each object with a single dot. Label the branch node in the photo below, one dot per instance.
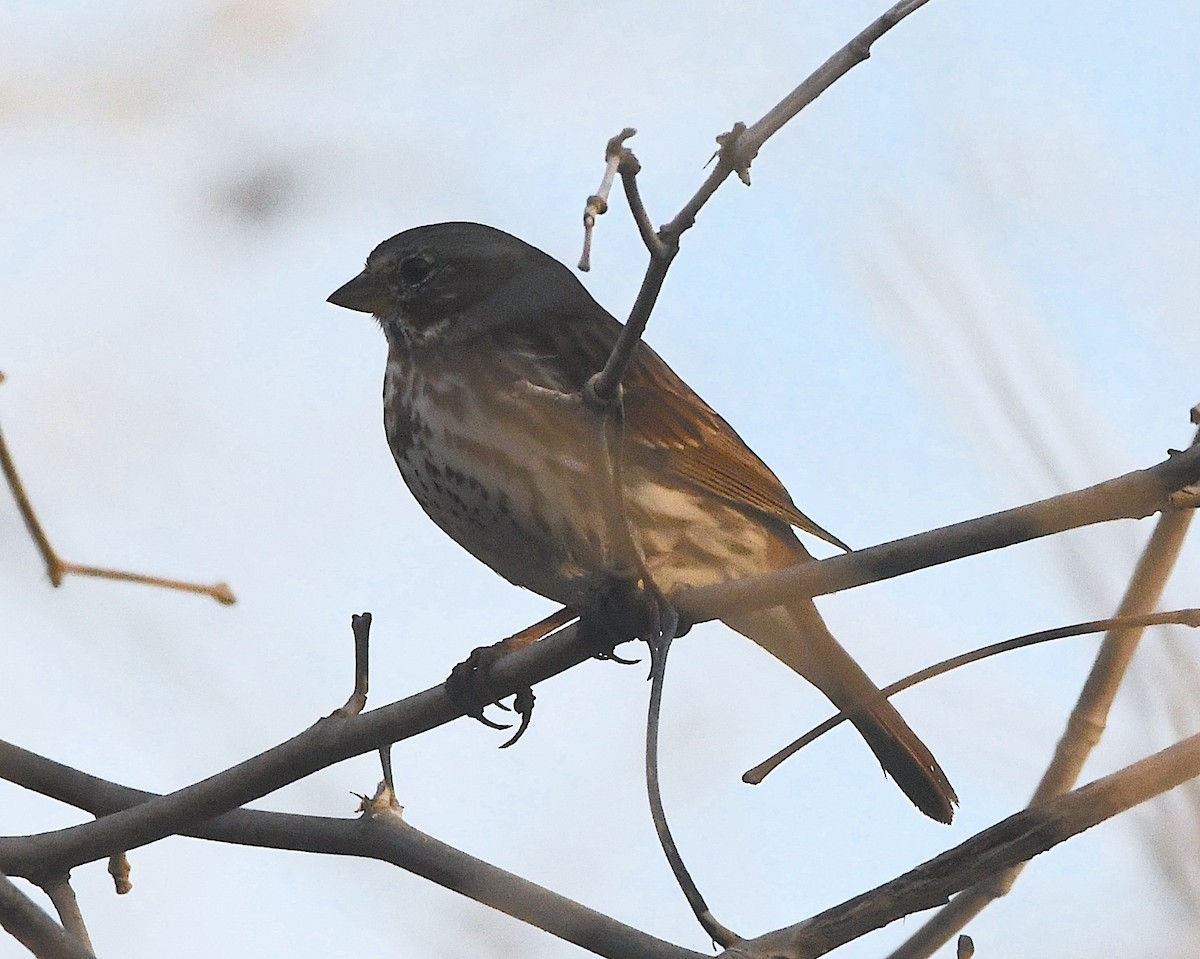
(729, 152)
(383, 805)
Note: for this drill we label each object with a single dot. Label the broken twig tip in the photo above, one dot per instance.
(223, 594)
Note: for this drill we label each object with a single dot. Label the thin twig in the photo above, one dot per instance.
(218, 591)
(54, 566)
(597, 203)
(851, 55)
(737, 148)
(385, 764)
(629, 169)
(67, 906)
(1086, 722)
(721, 935)
(57, 568)
(360, 625)
(1181, 617)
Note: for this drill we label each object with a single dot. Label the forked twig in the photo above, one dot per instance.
(33, 928)
(58, 568)
(737, 149)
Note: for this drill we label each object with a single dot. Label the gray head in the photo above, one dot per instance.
(451, 282)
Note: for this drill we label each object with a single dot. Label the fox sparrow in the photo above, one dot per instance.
(490, 344)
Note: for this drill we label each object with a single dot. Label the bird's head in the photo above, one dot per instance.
(448, 283)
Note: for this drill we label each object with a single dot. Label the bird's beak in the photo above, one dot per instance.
(364, 293)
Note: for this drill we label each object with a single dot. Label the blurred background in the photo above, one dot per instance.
(965, 278)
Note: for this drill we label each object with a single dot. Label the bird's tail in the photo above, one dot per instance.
(798, 637)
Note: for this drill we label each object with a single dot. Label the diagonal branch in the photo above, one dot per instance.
(33, 927)
(337, 738)
(392, 841)
(737, 149)
(1132, 496)
(1086, 722)
(1010, 842)
(328, 741)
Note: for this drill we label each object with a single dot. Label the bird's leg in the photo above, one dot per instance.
(467, 680)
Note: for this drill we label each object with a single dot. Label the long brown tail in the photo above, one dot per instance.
(798, 637)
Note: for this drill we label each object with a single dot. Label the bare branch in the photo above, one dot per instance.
(1181, 617)
(218, 591)
(34, 929)
(63, 897)
(385, 838)
(720, 934)
(1014, 840)
(1132, 496)
(832, 70)
(57, 568)
(597, 203)
(360, 625)
(1087, 720)
(737, 148)
(328, 741)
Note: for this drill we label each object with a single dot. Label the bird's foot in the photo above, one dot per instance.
(467, 682)
(629, 610)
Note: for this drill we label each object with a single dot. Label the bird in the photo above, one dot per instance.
(491, 343)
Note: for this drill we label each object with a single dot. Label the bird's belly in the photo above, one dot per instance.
(517, 489)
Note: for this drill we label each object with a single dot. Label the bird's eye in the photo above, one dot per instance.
(415, 270)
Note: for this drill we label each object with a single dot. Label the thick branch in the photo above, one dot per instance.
(327, 742)
(335, 739)
(388, 840)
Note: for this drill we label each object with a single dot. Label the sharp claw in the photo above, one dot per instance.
(523, 704)
(479, 717)
(611, 656)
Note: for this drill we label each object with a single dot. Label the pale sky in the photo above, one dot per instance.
(964, 279)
